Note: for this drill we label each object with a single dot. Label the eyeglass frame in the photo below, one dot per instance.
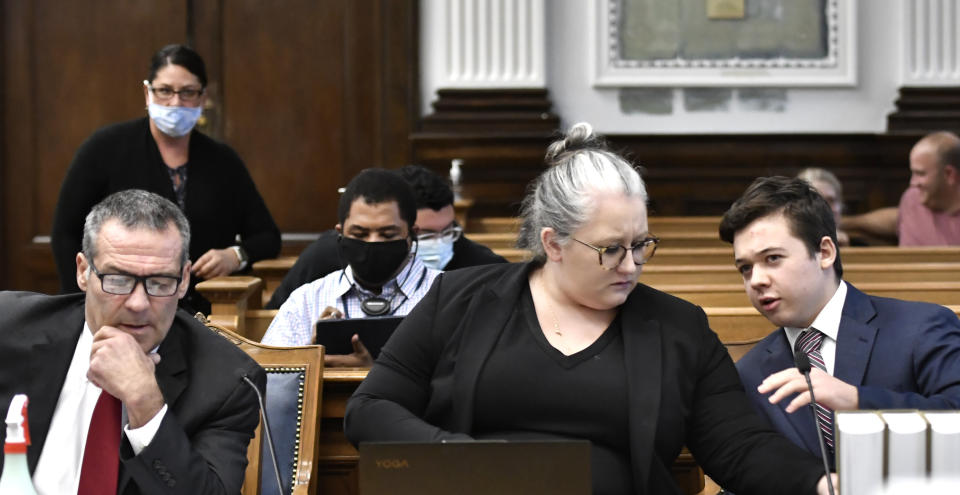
(138, 280)
(454, 228)
(601, 250)
(177, 92)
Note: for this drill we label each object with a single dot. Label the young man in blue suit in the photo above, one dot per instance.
(866, 352)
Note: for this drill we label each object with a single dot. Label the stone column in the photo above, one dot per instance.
(930, 67)
(484, 73)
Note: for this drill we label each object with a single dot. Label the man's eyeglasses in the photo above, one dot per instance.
(164, 93)
(121, 284)
(449, 234)
(610, 257)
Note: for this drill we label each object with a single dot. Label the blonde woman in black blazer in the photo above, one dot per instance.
(570, 346)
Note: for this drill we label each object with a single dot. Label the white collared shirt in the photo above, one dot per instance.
(828, 323)
(293, 324)
(58, 469)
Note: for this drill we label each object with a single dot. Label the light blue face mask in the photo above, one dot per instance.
(174, 121)
(435, 253)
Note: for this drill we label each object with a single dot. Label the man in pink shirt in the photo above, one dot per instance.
(929, 210)
(929, 213)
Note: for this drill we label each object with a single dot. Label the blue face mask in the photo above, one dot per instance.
(174, 121)
(435, 253)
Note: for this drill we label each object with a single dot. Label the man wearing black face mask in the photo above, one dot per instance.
(383, 276)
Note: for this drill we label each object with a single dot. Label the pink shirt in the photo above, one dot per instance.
(918, 225)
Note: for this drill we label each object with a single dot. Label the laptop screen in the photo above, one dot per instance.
(475, 468)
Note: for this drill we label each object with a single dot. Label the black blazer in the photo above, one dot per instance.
(202, 441)
(683, 387)
(222, 200)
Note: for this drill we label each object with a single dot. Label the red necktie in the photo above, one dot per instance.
(101, 456)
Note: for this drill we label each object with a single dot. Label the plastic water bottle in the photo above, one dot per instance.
(455, 174)
(15, 479)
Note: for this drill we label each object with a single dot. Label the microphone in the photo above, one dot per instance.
(266, 426)
(803, 366)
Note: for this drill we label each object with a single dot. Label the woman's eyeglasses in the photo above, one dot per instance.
(610, 257)
(165, 93)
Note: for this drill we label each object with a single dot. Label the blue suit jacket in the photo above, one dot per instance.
(899, 354)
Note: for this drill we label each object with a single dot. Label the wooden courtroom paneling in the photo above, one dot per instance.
(704, 174)
(308, 93)
(685, 174)
(312, 93)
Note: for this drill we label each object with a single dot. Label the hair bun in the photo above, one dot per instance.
(579, 136)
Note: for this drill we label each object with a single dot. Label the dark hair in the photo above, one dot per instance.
(429, 189)
(808, 214)
(181, 55)
(135, 208)
(376, 185)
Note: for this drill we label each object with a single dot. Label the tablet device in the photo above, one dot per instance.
(335, 334)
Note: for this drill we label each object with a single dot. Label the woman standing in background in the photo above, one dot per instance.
(164, 154)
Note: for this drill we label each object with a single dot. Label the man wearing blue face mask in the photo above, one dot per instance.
(440, 241)
(383, 277)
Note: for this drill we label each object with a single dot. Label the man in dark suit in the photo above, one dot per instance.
(128, 395)
(441, 244)
(867, 352)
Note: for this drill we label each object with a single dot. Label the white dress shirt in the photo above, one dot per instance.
(293, 324)
(828, 322)
(58, 469)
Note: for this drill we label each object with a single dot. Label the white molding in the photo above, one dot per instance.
(931, 42)
(839, 68)
(487, 43)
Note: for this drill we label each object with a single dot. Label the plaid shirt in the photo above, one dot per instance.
(293, 324)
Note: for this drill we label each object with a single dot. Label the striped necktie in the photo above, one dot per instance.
(809, 343)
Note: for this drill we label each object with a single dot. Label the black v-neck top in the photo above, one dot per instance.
(530, 390)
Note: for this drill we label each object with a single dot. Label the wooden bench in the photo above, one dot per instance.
(733, 295)
(857, 273)
(272, 271)
(679, 239)
(657, 225)
(724, 255)
(873, 254)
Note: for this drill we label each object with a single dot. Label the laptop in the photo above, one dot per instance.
(476, 468)
(335, 334)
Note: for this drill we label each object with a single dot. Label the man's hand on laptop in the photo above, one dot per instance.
(360, 358)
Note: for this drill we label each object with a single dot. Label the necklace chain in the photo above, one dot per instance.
(553, 314)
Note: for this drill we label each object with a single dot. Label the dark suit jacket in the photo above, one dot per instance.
(321, 258)
(899, 354)
(683, 387)
(202, 442)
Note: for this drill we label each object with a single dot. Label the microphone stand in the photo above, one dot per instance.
(803, 366)
(266, 427)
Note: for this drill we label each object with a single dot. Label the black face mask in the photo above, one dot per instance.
(373, 263)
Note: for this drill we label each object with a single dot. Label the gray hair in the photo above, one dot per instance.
(579, 165)
(135, 208)
(814, 174)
